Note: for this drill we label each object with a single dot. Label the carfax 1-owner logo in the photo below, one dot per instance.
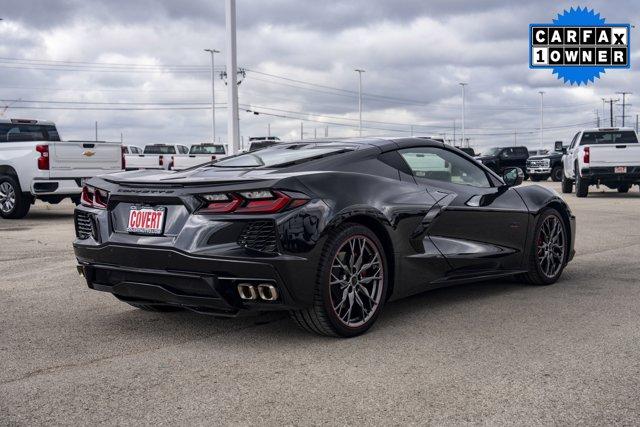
(579, 46)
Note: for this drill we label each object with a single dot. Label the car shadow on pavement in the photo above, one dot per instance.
(614, 195)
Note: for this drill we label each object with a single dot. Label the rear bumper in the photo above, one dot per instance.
(67, 186)
(201, 283)
(607, 174)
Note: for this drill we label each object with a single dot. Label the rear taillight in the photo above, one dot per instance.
(586, 156)
(161, 160)
(43, 160)
(213, 157)
(122, 159)
(252, 202)
(94, 197)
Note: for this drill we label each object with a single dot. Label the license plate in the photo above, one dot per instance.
(620, 169)
(146, 220)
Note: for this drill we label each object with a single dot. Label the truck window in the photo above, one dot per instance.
(159, 149)
(609, 137)
(10, 132)
(207, 149)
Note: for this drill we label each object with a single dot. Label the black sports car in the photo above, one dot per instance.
(329, 231)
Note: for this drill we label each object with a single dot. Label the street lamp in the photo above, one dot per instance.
(213, 94)
(541, 118)
(462, 84)
(359, 71)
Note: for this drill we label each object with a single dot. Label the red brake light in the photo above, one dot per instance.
(43, 160)
(587, 153)
(94, 197)
(252, 202)
(213, 157)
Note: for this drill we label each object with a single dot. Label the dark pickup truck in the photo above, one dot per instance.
(500, 158)
(543, 166)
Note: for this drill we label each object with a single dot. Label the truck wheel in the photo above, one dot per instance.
(567, 184)
(556, 174)
(624, 188)
(14, 204)
(582, 186)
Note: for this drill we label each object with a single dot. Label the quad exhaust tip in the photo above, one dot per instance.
(263, 291)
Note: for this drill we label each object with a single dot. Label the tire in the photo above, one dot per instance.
(582, 186)
(624, 188)
(327, 314)
(567, 185)
(14, 204)
(540, 273)
(556, 174)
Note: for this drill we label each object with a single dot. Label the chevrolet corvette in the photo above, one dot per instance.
(329, 231)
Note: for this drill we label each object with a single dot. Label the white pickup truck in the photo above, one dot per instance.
(155, 156)
(35, 164)
(199, 154)
(605, 156)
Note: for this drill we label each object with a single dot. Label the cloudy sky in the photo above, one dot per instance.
(138, 68)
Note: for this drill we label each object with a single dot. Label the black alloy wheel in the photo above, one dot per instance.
(548, 255)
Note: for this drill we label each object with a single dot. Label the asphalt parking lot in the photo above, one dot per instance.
(493, 352)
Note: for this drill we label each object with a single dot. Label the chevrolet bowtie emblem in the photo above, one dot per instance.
(88, 153)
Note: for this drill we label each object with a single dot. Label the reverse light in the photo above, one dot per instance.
(43, 160)
(252, 202)
(161, 160)
(94, 197)
(586, 157)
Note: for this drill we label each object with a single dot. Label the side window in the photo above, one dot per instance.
(522, 152)
(184, 150)
(125, 150)
(442, 165)
(573, 142)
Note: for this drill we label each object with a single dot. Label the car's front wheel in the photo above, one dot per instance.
(557, 174)
(549, 252)
(351, 285)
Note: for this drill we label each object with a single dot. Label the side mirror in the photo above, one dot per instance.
(513, 177)
(558, 146)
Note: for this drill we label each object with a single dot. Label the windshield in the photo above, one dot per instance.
(278, 156)
(207, 149)
(27, 132)
(609, 137)
(492, 151)
(159, 149)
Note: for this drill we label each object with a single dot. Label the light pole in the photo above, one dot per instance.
(359, 71)
(541, 118)
(463, 84)
(213, 94)
(233, 125)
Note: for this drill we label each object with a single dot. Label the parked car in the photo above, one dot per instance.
(36, 165)
(498, 159)
(199, 154)
(259, 142)
(155, 156)
(328, 231)
(604, 156)
(538, 152)
(549, 164)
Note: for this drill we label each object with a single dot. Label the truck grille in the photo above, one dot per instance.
(84, 225)
(259, 236)
(543, 163)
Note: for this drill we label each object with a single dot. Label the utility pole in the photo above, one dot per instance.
(233, 124)
(301, 131)
(315, 133)
(597, 119)
(411, 130)
(96, 130)
(636, 123)
(268, 129)
(515, 137)
(213, 95)
(359, 71)
(121, 139)
(326, 132)
(611, 101)
(541, 118)
(624, 103)
(454, 132)
(463, 84)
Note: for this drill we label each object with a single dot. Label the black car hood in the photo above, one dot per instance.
(202, 175)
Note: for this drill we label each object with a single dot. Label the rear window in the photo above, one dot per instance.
(14, 132)
(609, 137)
(279, 156)
(159, 149)
(259, 145)
(207, 149)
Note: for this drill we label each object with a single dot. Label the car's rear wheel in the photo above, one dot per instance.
(582, 186)
(624, 188)
(14, 204)
(549, 252)
(567, 184)
(351, 286)
(557, 174)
